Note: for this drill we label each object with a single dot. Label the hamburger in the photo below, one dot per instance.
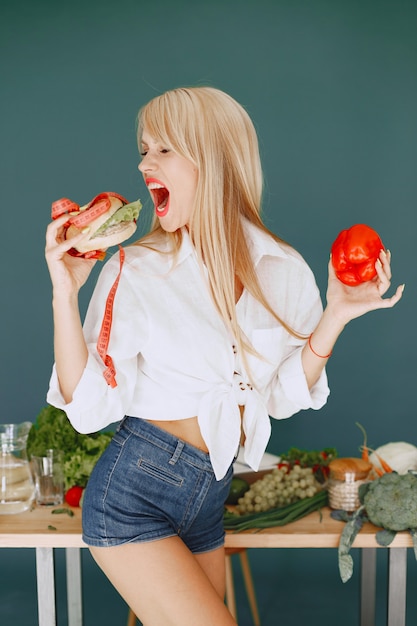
(110, 218)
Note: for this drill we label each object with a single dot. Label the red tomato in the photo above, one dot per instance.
(73, 495)
(354, 254)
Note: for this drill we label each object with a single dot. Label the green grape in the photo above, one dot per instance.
(278, 488)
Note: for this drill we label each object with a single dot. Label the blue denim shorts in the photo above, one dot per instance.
(148, 485)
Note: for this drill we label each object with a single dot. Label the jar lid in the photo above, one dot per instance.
(355, 469)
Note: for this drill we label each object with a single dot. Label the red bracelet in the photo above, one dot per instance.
(314, 352)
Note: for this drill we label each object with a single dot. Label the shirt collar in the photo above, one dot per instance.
(186, 248)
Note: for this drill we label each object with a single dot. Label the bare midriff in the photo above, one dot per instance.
(187, 430)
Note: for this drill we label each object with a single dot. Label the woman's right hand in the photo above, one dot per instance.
(68, 273)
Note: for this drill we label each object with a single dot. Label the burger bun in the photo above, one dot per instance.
(114, 235)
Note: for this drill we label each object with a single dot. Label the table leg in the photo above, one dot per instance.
(397, 582)
(74, 594)
(368, 586)
(230, 588)
(45, 576)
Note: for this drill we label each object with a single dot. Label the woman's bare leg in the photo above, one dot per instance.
(213, 564)
(165, 584)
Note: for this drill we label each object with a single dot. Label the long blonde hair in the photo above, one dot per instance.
(213, 131)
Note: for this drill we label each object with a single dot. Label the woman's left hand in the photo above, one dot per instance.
(348, 303)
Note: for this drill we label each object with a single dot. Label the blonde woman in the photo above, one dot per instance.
(217, 325)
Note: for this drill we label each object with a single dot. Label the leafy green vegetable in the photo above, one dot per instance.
(413, 533)
(353, 526)
(385, 537)
(388, 502)
(318, 460)
(275, 517)
(391, 501)
(53, 430)
(127, 213)
(64, 510)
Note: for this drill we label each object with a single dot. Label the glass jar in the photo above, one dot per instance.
(17, 490)
(346, 475)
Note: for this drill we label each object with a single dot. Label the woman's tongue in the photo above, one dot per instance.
(161, 198)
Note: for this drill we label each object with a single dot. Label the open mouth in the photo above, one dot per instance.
(160, 196)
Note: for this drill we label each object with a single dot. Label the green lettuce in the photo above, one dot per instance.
(53, 430)
(126, 213)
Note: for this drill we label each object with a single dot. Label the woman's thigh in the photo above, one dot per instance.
(213, 565)
(165, 584)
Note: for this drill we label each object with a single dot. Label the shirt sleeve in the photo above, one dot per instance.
(95, 404)
(289, 392)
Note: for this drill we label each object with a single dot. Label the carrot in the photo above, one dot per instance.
(385, 466)
(378, 472)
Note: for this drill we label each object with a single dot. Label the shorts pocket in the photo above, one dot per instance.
(160, 473)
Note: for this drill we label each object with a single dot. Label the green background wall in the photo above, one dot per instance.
(332, 88)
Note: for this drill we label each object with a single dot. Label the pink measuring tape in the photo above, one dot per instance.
(104, 335)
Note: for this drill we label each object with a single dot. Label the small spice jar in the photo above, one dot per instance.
(346, 475)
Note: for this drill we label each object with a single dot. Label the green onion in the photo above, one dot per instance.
(276, 517)
(64, 510)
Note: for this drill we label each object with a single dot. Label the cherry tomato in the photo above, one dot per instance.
(73, 495)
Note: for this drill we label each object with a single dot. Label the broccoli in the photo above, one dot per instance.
(389, 502)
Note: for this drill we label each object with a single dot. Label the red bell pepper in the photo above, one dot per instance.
(354, 254)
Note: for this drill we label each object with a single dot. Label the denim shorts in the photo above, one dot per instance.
(148, 485)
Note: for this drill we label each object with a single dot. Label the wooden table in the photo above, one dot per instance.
(33, 530)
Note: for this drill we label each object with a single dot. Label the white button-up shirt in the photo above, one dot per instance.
(175, 357)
